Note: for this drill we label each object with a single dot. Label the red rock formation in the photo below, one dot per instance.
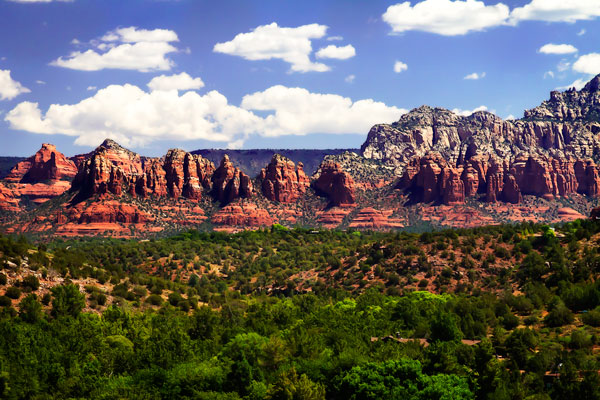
(111, 168)
(370, 218)
(111, 212)
(242, 215)
(186, 174)
(433, 179)
(229, 183)
(8, 201)
(282, 181)
(47, 164)
(335, 183)
(98, 175)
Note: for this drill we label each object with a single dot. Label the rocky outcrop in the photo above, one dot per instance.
(229, 183)
(112, 212)
(244, 215)
(335, 183)
(565, 126)
(47, 164)
(370, 218)
(8, 201)
(433, 179)
(282, 181)
(113, 169)
(180, 174)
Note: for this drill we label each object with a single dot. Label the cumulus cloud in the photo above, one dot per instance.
(9, 88)
(266, 42)
(588, 64)
(445, 17)
(136, 117)
(475, 76)
(125, 48)
(181, 81)
(578, 84)
(350, 78)
(133, 117)
(335, 38)
(466, 113)
(557, 11)
(552, 48)
(548, 74)
(296, 111)
(340, 53)
(399, 66)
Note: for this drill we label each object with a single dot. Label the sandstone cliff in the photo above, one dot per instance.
(282, 181)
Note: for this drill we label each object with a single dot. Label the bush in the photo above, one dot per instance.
(559, 316)
(3, 279)
(30, 282)
(5, 301)
(175, 298)
(154, 300)
(591, 318)
(13, 292)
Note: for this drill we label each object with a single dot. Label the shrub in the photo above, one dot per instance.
(5, 301)
(13, 292)
(154, 300)
(31, 282)
(3, 279)
(591, 318)
(559, 316)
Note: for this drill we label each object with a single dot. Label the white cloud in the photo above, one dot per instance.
(297, 111)
(475, 76)
(91, 88)
(335, 38)
(340, 53)
(9, 88)
(399, 66)
(350, 78)
(588, 64)
(577, 84)
(40, 82)
(266, 42)
(181, 81)
(563, 65)
(135, 117)
(510, 117)
(445, 17)
(132, 116)
(125, 48)
(548, 74)
(466, 113)
(557, 11)
(581, 32)
(552, 48)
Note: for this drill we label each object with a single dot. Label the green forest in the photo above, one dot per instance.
(501, 312)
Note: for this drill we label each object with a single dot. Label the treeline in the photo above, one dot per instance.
(301, 347)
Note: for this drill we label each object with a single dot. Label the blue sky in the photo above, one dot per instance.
(274, 74)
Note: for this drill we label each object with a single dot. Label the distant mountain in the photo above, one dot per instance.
(252, 161)
(6, 164)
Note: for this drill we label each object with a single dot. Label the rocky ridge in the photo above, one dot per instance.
(443, 157)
